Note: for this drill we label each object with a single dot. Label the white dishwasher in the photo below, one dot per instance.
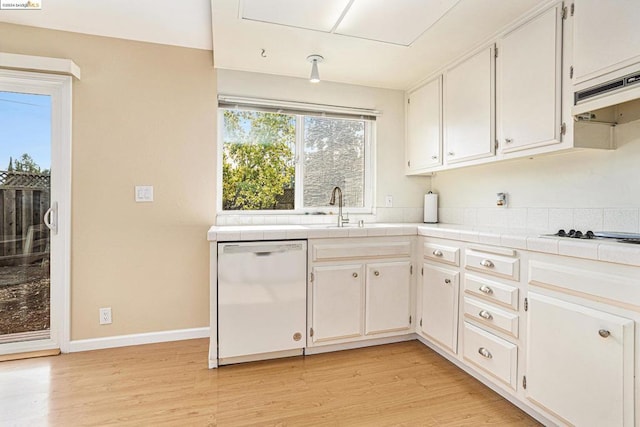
(261, 300)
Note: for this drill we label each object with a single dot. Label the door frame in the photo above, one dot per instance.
(59, 87)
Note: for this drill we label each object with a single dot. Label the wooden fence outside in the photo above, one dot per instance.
(24, 199)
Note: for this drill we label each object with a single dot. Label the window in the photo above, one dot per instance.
(290, 160)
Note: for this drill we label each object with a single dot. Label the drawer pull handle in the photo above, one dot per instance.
(487, 263)
(604, 333)
(355, 275)
(376, 273)
(486, 290)
(485, 315)
(437, 252)
(447, 281)
(485, 353)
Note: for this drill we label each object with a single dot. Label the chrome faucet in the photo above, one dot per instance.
(332, 202)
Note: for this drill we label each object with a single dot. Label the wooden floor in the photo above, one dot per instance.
(403, 384)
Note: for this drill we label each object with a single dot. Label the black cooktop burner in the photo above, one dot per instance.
(573, 234)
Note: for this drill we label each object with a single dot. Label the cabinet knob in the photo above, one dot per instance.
(376, 273)
(604, 333)
(485, 353)
(508, 140)
(437, 252)
(486, 290)
(451, 153)
(485, 315)
(355, 274)
(434, 157)
(447, 281)
(486, 263)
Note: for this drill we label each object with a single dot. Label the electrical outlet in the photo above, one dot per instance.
(388, 201)
(105, 316)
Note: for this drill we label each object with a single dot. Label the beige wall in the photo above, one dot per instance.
(142, 114)
(407, 192)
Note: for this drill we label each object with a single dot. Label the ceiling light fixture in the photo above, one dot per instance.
(314, 59)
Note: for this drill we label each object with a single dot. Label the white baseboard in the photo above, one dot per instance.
(137, 339)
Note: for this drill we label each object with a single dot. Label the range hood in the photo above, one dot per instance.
(606, 95)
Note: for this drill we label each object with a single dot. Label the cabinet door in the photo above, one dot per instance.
(579, 362)
(529, 79)
(469, 104)
(337, 302)
(605, 37)
(424, 140)
(439, 321)
(388, 297)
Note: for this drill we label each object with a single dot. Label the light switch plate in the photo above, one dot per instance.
(388, 201)
(144, 193)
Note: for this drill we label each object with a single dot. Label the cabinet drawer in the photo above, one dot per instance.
(491, 291)
(334, 252)
(445, 254)
(495, 265)
(491, 354)
(493, 317)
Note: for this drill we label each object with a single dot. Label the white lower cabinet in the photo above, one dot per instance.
(439, 317)
(388, 297)
(338, 302)
(560, 338)
(491, 354)
(359, 289)
(579, 362)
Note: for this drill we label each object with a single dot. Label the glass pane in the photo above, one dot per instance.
(25, 161)
(333, 156)
(258, 160)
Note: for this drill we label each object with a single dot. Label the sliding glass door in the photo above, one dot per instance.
(34, 191)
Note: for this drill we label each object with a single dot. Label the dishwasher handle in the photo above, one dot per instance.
(262, 249)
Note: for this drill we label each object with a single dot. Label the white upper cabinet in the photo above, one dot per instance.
(424, 130)
(605, 37)
(469, 108)
(529, 67)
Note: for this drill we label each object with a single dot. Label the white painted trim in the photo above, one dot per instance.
(40, 64)
(137, 339)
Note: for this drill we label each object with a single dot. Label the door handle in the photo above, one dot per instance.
(51, 218)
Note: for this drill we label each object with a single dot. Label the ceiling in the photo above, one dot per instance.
(184, 23)
(381, 43)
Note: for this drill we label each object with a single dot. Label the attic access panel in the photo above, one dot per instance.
(399, 22)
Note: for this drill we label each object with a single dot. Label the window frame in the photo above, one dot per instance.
(299, 113)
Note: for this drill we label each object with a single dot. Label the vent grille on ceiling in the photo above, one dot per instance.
(608, 87)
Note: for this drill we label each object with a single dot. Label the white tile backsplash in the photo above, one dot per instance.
(470, 216)
(621, 220)
(451, 215)
(588, 219)
(560, 218)
(516, 217)
(542, 220)
(538, 219)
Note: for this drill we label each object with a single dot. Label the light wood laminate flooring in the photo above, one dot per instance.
(404, 384)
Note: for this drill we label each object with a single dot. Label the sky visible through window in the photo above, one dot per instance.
(25, 127)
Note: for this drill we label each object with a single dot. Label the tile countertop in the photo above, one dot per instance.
(597, 249)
